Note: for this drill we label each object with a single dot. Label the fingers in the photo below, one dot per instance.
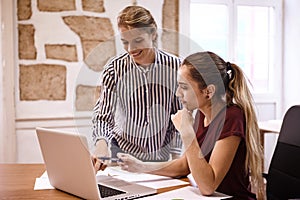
(172, 117)
(124, 157)
(126, 161)
(185, 110)
(124, 167)
(98, 165)
(102, 166)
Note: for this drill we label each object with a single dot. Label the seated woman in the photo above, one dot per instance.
(223, 151)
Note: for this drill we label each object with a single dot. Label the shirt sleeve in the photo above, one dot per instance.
(176, 142)
(103, 113)
(234, 123)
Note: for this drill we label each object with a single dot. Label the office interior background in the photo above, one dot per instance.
(52, 54)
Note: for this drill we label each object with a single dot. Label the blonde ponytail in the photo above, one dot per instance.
(243, 98)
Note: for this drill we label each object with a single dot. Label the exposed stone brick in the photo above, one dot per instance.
(56, 5)
(61, 52)
(88, 46)
(27, 49)
(93, 5)
(24, 9)
(170, 18)
(92, 31)
(90, 28)
(42, 82)
(86, 97)
(170, 41)
(170, 23)
(97, 54)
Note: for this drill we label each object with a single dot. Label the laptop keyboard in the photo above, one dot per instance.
(107, 191)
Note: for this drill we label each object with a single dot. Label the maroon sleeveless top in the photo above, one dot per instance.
(229, 122)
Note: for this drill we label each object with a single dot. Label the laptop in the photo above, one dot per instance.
(70, 169)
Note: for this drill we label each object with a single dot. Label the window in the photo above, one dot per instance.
(246, 32)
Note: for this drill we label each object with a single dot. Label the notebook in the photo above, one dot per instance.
(70, 169)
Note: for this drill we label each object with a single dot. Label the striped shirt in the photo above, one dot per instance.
(136, 104)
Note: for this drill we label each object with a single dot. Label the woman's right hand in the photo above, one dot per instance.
(98, 164)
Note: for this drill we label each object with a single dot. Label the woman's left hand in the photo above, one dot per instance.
(130, 163)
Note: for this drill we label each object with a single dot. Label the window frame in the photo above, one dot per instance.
(274, 96)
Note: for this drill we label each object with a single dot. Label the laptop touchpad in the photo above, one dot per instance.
(108, 180)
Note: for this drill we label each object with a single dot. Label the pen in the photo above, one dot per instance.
(111, 159)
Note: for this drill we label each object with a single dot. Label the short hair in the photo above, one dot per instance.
(136, 17)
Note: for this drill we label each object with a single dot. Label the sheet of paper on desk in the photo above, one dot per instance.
(117, 172)
(186, 193)
(42, 183)
(162, 183)
(149, 180)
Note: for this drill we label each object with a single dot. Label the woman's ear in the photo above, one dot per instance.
(210, 91)
(154, 36)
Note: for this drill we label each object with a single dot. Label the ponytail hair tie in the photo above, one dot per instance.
(229, 70)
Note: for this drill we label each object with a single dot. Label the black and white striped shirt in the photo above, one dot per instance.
(136, 104)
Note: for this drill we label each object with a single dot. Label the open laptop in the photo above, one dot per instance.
(70, 169)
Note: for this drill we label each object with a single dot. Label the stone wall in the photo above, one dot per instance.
(44, 70)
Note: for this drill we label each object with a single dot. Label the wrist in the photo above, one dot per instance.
(175, 156)
(187, 130)
(187, 135)
(194, 151)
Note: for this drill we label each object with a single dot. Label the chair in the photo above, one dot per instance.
(283, 178)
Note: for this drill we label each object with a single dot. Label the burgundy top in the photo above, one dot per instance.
(236, 182)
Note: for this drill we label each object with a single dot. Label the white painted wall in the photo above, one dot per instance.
(60, 114)
(291, 53)
(291, 68)
(28, 150)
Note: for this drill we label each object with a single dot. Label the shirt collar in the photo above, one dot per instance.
(151, 67)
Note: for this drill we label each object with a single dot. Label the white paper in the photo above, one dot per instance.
(149, 180)
(192, 180)
(117, 172)
(186, 193)
(43, 183)
(162, 183)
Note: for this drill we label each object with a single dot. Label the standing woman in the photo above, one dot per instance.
(133, 113)
(223, 153)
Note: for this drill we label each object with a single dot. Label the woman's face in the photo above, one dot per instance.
(188, 91)
(139, 44)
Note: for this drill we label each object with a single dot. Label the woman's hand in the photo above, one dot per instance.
(98, 164)
(183, 122)
(183, 119)
(130, 163)
(102, 150)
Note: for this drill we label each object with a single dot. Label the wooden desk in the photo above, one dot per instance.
(17, 182)
(271, 126)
